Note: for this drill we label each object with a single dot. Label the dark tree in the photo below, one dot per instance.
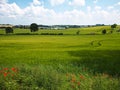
(113, 26)
(78, 32)
(33, 27)
(104, 31)
(111, 31)
(8, 30)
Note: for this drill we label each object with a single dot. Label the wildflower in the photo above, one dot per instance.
(14, 69)
(5, 74)
(5, 69)
(78, 83)
(81, 77)
(73, 80)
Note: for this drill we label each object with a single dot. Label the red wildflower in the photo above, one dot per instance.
(14, 69)
(81, 77)
(5, 69)
(5, 74)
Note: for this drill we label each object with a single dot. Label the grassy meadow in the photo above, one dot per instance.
(88, 61)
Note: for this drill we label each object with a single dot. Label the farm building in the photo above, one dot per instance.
(5, 25)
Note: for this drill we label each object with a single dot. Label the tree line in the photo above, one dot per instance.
(34, 28)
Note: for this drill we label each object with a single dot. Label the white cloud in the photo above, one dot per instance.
(97, 7)
(36, 2)
(56, 2)
(118, 3)
(89, 9)
(95, 1)
(110, 7)
(12, 13)
(106, 17)
(114, 6)
(10, 10)
(77, 3)
(3, 1)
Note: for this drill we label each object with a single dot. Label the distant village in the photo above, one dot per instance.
(55, 27)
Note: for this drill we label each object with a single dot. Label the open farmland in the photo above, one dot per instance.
(88, 61)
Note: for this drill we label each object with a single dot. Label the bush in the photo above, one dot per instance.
(51, 34)
(8, 30)
(78, 32)
(113, 26)
(44, 33)
(104, 31)
(118, 30)
(22, 33)
(60, 33)
(48, 77)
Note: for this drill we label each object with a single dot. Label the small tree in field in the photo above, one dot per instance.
(8, 30)
(104, 31)
(78, 32)
(113, 26)
(33, 27)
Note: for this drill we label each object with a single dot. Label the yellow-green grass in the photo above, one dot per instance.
(70, 31)
(35, 49)
(44, 61)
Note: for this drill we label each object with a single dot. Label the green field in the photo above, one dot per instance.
(88, 61)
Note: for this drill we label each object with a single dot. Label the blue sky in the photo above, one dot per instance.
(51, 12)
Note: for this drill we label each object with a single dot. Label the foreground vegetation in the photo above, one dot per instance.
(88, 61)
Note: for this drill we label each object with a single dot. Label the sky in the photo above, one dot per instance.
(60, 12)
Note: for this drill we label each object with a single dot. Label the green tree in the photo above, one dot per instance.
(8, 30)
(104, 31)
(113, 26)
(33, 27)
(78, 32)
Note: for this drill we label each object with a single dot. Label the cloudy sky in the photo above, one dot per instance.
(50, 12)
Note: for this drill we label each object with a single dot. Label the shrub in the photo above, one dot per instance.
(78, 32)
(8, 30)
(104, 31)
(60, 33)
(22, 33)
(113, 26)
(44, 33)
(118, 30)
(51, 34)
